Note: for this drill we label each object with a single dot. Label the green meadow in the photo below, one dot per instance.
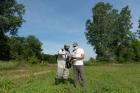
(100, 78)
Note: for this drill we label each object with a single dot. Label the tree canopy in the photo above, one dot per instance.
(109, 32)
(11, 16)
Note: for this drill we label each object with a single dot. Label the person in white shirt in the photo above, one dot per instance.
(62, 69)
(78, 57)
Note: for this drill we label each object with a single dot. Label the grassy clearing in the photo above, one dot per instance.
(107, 78)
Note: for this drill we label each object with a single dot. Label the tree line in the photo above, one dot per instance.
(13, 46)
(109, 31)
(11, 18)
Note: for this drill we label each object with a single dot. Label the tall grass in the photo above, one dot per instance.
(107, 78)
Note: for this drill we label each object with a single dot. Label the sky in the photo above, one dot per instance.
(56, 22)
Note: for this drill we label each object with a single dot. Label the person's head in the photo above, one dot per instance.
(75, 45)
(66, 47)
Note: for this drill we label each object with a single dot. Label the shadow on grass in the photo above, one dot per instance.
(71, 81)
(62, 81)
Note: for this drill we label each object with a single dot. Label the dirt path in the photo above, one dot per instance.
(26, 75)
(30, 74)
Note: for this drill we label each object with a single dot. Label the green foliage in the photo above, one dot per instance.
(138, 31)
(11, 18)
(32, 46)
(109, 33)
(49, 58)
(136, 50)
(101, 28)
(25, 48)
(90, 62)
(33, 60)
(130, 52)
(15, 47)
(4, 51)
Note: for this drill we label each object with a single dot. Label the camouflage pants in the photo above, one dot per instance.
(62, 73)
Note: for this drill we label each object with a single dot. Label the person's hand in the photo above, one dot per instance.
(73, 57)
(67, 53)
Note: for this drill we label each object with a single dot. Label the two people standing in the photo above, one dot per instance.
(64, 61)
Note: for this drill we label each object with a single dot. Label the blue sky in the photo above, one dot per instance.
(56, 22)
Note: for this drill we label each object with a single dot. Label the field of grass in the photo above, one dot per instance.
(107, 78)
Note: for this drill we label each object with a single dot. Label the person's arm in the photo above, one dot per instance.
(79, 58)
(81, 55)
(68, 54)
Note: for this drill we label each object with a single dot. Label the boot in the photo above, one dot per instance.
(56, 81)
(65, 81)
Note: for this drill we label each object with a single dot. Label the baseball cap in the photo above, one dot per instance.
(75, 44)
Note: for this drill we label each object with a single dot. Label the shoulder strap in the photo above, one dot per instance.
(74, 50)
(62, 49)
